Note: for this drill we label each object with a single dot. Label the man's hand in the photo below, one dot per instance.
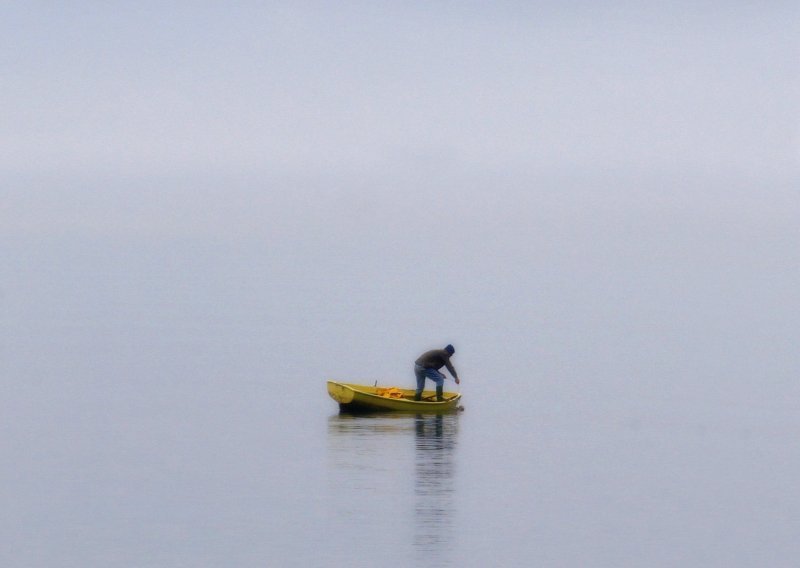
(458, 382)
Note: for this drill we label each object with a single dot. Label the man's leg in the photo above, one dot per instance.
(437, 378)
(420, 374)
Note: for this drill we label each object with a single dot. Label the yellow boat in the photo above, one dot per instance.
(363, 398)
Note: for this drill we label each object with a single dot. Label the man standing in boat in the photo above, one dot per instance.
(428, 365)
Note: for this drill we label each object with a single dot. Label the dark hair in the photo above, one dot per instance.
(450, 349)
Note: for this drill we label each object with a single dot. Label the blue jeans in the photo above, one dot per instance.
(422, 373)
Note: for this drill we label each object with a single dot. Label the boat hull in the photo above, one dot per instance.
(363, 398)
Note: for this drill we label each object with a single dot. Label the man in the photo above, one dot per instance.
(428, 365)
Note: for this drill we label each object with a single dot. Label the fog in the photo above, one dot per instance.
(597, 204)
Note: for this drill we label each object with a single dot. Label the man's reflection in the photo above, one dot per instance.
(434, 490)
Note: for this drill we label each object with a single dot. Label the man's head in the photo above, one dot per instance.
(450, 349)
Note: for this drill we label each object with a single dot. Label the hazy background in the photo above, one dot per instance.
(207, 209)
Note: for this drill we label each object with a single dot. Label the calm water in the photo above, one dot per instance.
(393, 485)
(166, 418)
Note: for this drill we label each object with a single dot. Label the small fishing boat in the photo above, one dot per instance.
(363, 398)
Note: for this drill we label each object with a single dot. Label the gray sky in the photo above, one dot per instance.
(372, 98)
(515, 166)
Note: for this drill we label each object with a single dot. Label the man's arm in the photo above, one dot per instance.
(452, 370)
